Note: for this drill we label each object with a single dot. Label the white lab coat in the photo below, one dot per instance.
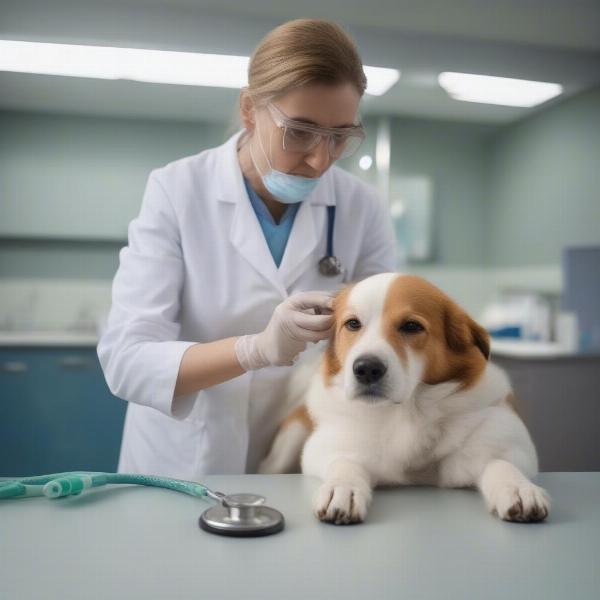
(197, 268)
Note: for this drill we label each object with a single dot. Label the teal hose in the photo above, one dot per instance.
(59, 485)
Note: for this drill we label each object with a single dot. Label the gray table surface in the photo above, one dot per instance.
(134, 542)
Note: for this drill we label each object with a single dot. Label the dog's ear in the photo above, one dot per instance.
(462, 332)
(481, 338)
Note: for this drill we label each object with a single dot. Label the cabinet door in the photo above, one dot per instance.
(561, 405)
(57, 413)
(17, 429)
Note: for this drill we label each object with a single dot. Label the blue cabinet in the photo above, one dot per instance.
(56, 412)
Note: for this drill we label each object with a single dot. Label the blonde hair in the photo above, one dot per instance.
(300, 52)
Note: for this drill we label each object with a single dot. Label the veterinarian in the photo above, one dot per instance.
(219, 288)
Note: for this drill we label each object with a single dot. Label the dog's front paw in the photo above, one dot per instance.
(341, 504)
(524, 502)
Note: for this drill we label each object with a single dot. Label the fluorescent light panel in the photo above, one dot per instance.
(103, 62)
(156, 66)
(497, 90)
(380, 80)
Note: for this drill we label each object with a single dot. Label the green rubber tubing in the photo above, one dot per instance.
(59, 485)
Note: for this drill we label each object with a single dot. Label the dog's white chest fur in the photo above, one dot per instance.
(401, 445)
(387, 437)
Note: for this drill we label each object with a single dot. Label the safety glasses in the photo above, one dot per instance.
(302, 137)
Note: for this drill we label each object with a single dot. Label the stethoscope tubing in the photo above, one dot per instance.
(329, 265)
(72, 483)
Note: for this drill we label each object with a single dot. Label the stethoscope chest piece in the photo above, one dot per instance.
(242, 515)
(330, 266)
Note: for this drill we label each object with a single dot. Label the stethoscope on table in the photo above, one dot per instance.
(330, 265)
(240, 515)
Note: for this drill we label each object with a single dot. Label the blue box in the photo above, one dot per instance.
(581, 292)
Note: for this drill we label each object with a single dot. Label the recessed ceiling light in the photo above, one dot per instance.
(156, 66)
(365, 162)
(497, 90)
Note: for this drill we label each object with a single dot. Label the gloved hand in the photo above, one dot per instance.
(303, 317)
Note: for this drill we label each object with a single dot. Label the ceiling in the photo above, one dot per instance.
(545, 40)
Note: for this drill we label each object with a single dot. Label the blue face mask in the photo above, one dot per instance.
(289, 189)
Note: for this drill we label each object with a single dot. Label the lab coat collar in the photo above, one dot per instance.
(246, 234)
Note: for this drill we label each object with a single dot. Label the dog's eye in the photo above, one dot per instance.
(353, 324)
(411, 327)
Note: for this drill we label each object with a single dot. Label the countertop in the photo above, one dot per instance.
(526, 349)
(48, 338)
(417, 543)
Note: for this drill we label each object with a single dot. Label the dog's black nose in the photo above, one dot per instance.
(368, 369)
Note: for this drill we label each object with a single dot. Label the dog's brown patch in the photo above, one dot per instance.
(454, 346)
(339, 343)
(300, 415)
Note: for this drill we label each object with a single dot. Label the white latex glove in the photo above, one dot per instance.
(303, 317)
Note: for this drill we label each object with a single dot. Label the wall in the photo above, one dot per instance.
(89, 168)
(544, 185)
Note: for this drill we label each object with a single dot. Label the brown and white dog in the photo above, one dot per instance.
(405, 394)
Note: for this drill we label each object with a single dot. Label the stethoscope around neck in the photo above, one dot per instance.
(329, 265)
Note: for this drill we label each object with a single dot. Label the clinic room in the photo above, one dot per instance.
(303, 284)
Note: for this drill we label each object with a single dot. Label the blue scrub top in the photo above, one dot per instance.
(276, 234)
